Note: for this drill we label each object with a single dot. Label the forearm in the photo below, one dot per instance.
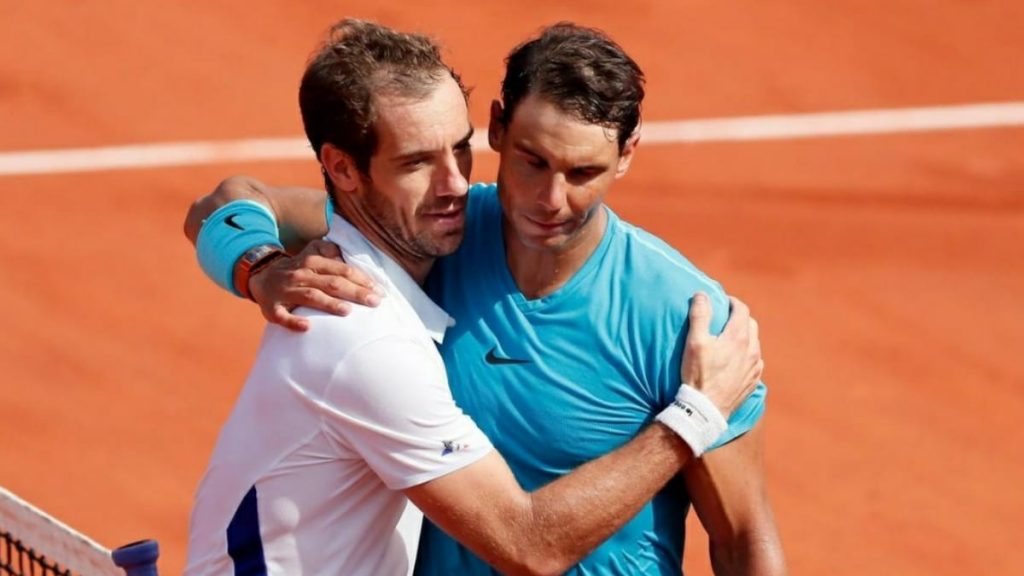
(728, 493)
(574, 514)
(549, 530)
(750, 554)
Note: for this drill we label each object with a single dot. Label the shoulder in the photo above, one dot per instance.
(363, 365)
(333, 339)
(652, 257)
(658, 276)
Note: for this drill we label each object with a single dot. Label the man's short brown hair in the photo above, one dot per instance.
(357, 62)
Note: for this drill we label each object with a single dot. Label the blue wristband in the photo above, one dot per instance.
(228, 233)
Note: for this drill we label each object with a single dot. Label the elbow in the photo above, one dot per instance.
(193, 221)
(228, 190)
(231, 189)
(234, 188)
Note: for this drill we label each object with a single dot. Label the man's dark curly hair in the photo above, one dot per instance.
(582, 71)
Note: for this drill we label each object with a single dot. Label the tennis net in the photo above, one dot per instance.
(34, 543)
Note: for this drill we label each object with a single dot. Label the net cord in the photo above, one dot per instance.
(53, 539)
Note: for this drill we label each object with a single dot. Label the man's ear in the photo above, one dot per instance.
(496, 127)
(340, 168)
(626, 156)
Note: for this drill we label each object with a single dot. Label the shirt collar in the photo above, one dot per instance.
(359, 251)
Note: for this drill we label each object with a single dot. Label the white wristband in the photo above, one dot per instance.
(694, 418)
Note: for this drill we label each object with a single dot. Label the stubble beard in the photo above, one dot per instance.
(420, 244)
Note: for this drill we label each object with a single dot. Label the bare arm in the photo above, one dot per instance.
(552, 528)
(549, 530)
(727, 489)
(315, 276)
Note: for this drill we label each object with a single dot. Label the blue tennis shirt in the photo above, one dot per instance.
(557, 381)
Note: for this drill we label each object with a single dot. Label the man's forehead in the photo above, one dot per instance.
(537, 112)
(541, 128)
(440, 117)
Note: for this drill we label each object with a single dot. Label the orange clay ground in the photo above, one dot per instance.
(887, 271)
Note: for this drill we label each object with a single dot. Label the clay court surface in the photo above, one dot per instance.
(887, 270)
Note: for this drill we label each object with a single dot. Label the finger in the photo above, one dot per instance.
(700, 315)
(281, 316)
(739, 316)
(357, 276)
(755, 336)
(319, 248)
(318, 264)
(337, 287)
(326, 248)
(312, 297)
(337, 268)
(755, 376)
(342, 289)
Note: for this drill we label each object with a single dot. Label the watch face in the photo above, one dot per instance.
(254, 259)
(257, 254)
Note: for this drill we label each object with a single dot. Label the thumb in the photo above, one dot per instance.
(700, 314)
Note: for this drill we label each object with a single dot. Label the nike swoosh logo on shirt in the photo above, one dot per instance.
(493, 358)
(230, 221)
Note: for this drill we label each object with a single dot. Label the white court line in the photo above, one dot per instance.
(847, 123)
(745, 128)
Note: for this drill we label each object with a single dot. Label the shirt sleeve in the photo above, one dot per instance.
(389, 401)
(744, 416)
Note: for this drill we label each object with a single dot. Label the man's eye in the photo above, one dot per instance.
(583, 174)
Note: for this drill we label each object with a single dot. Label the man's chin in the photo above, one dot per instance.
(447, 243)
(545, 242)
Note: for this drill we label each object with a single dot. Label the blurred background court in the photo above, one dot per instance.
(887, 270)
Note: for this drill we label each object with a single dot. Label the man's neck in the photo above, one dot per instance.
(418, 268)
(540, 272)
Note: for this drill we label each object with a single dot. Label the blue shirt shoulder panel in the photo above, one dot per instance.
(666, 281)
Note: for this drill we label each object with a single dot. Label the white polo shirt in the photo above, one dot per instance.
(330, 426)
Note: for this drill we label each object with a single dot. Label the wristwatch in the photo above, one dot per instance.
(251, 262)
